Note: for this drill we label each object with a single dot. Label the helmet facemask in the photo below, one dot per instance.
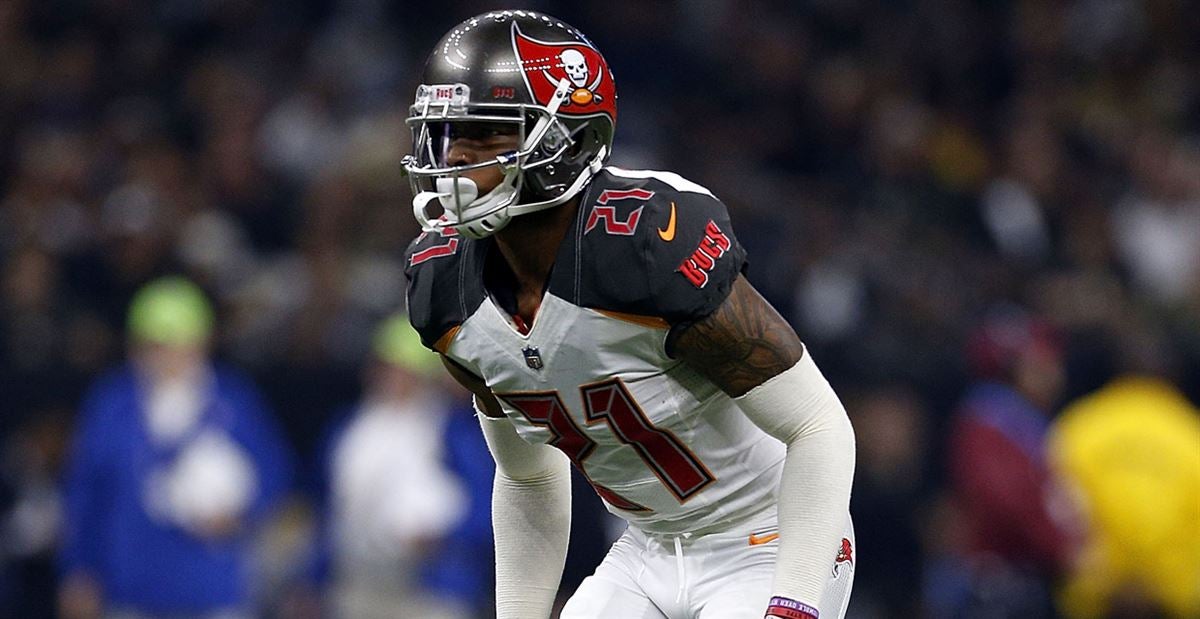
(544, 141)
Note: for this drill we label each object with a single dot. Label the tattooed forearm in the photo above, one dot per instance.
(740, 345)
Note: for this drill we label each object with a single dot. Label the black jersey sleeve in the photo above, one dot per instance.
(441, 291)
(690, 274)
(677, 261)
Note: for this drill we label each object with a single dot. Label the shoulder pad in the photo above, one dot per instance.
(656, 244)
(445, 283)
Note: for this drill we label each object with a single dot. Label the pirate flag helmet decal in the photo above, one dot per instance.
(520, 68)
(581, 65)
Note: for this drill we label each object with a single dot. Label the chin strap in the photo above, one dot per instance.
(455, 191)
(498, 218)
(460, 196)
(452, 192)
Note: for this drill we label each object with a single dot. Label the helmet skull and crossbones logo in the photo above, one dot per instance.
(575, 64)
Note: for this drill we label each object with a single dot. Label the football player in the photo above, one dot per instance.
(601, 319)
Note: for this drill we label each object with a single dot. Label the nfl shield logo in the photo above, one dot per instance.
(533, 358)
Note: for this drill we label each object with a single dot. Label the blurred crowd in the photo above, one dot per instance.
(978, 215)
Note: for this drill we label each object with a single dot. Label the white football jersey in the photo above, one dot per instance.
(663, 446)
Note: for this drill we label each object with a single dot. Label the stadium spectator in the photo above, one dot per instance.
(1016, 530)
(390, 496)
(464, 564)
(1131, 450)
(175, 463)
(31, 513)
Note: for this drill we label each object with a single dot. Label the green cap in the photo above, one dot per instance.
(396, 342)
(170, 310)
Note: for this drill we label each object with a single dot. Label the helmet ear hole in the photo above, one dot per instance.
(587, 142)
(574, 149)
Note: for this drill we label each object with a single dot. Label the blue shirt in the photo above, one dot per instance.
(145, 562)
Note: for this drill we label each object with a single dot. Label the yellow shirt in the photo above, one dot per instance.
(1133, 451)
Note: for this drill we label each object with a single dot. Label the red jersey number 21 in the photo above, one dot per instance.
(610, 402)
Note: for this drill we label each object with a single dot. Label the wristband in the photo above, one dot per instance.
(791, 609)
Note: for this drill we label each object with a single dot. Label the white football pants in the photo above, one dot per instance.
(715, 576)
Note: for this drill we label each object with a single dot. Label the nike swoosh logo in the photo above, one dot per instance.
(668, 234)
(756, 540)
